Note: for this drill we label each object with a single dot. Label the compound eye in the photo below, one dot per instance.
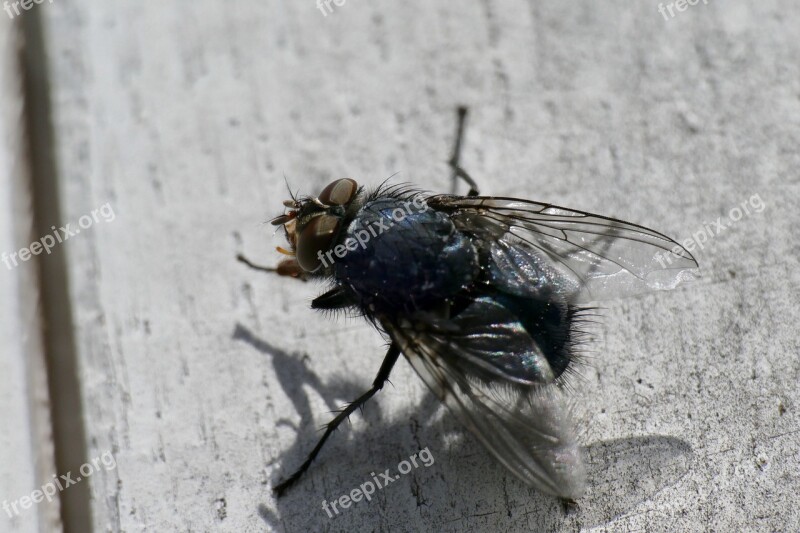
(340, 192)
(316, 237)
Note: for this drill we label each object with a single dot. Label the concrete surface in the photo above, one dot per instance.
(208, 381)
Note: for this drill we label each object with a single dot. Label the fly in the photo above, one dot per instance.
(484, 296)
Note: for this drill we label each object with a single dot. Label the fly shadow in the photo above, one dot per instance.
(622, 473)
(293, 376)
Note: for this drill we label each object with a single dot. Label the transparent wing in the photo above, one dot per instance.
(595, 257)
(526, 427)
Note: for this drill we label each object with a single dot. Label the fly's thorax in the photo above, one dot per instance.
(396, 254)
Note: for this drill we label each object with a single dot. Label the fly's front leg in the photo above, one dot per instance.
(459, 172)
(287, 267)
(383, 374)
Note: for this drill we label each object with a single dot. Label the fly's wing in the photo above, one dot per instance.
(526, 427)
(594, 257)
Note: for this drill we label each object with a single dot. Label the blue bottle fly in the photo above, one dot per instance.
(484, 296)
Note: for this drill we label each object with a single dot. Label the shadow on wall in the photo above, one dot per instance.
(622, 472)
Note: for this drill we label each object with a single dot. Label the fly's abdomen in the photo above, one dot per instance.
(401, 255)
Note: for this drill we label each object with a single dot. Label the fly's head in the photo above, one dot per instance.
(311, 225)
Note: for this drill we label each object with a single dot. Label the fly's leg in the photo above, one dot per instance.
(473, 187)
(246, 261)
(287, 267)
(459, 172)
(383, 375)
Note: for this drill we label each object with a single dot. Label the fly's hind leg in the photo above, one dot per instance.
(459, 172)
